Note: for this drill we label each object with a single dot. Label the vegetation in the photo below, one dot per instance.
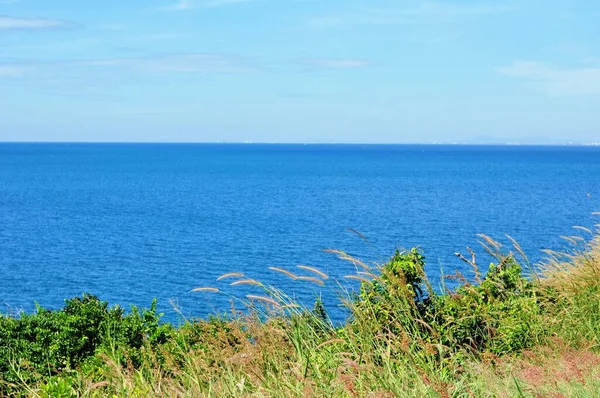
(517, 331)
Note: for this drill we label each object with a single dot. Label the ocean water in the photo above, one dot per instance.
(132, 222)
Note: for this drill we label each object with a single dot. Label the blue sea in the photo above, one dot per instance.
(133, 222)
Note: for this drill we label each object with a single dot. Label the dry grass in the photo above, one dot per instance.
(283, 271)
(230, 275)
(314, 270)
(553, 370)
(573, 272)
(282, 349)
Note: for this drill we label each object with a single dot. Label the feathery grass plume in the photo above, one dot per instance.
(576, 264)
(346, 257)
(290, 306)
(328, 342)
(368, 274)
(283, 271)
(311, 279)
(98, 385)
(550, 252)
(205, 289)
(358, 233)
(264, 299)
(532, 268)
(518, 248)
(246, 282)
(584, 229)
(494, 249)
(570, 239)
(313, 270)
(358, 278)
(574, 273)
(230, 275)
(491, 242)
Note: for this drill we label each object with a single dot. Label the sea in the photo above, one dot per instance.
(133, 222)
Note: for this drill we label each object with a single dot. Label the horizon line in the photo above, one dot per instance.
(303, 143)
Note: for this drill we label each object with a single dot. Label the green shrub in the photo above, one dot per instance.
(391, 301)
(46, 343)
(497, 315)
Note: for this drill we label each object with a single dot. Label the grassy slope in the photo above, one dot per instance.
(504, 335)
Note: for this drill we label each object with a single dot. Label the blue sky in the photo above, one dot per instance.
(299, 70)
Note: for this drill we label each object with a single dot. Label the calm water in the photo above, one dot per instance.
(133, 222)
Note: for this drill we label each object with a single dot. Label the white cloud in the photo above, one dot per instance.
(422, 13)
(30, 23)
(555, 81)
(191, 4)
(335, 63)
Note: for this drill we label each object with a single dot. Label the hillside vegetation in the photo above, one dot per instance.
(510, 330)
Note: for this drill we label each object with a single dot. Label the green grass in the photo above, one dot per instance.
(499, 335)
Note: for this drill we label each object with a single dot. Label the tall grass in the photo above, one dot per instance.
(515, 330)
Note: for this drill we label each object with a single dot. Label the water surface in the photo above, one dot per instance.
(130, 222)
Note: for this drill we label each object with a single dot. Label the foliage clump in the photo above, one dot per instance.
(497, 315)
(47, 343)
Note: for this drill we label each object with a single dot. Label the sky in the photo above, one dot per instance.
(370, 71)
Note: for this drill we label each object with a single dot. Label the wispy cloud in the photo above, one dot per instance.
(192, 4)
(159, 37)
(11, 71)
(7, 22)
(181, 63)
(419, 14)
(104, 78)
(171, 65)
(335, 63)
(555, 81)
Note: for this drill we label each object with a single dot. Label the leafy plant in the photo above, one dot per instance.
(46, 343)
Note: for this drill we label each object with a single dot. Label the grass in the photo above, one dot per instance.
(501, 335)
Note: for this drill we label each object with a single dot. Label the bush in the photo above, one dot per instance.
(44, 344)
(497, 315)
